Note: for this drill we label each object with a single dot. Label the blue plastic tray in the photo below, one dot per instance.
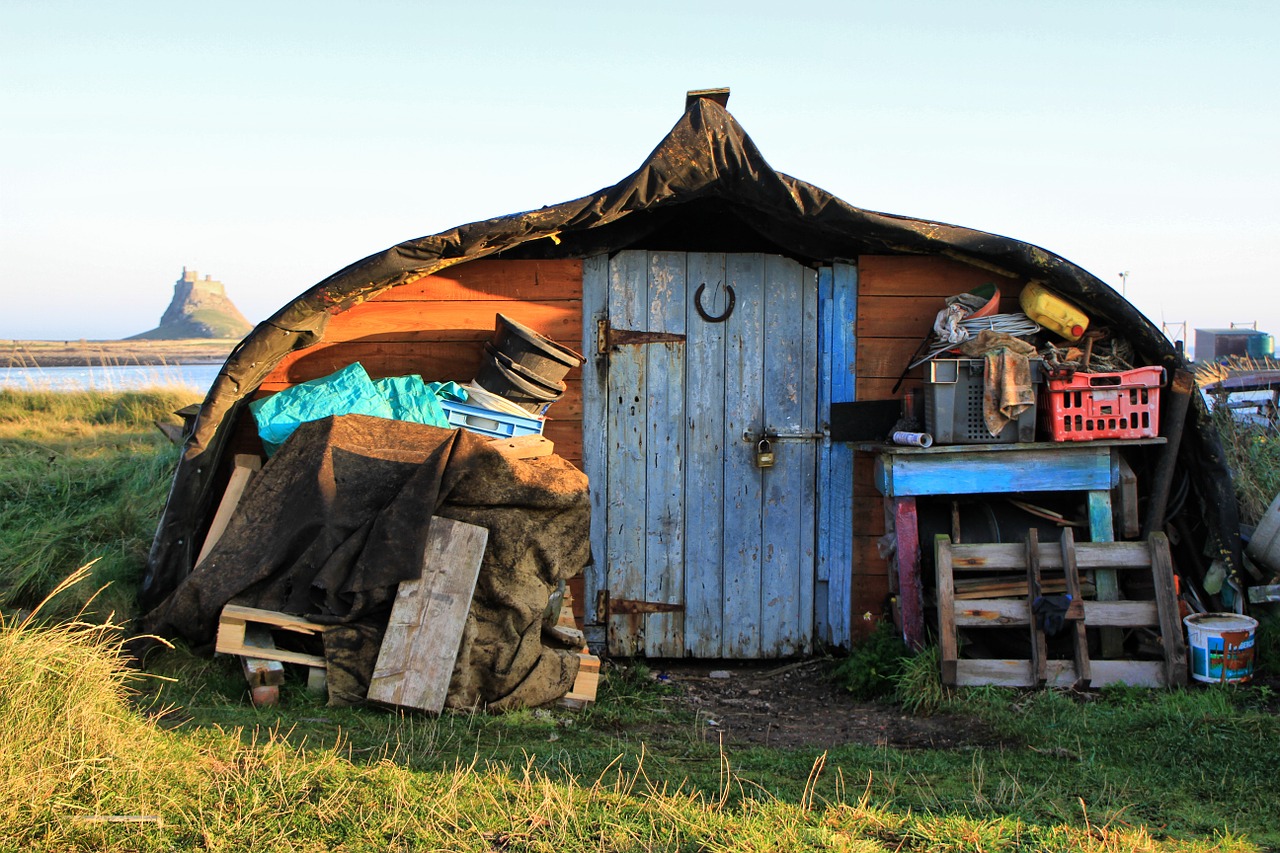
(489, 422)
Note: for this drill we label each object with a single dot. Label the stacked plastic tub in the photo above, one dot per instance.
(521, 375)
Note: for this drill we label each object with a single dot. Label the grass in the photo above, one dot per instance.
(83, 477)
(94, 757)
(86, 769)
(1253, 455)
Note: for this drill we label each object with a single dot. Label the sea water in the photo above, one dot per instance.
(115, 377)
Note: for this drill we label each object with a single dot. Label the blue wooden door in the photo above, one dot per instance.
(685, 517)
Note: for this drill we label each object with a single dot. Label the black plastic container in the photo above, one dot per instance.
(534, 353)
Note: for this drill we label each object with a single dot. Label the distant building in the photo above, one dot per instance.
(1217, 344)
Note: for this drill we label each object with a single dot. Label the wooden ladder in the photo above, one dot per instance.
(1010, 601)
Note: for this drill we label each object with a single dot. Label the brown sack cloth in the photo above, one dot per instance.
(338, 518)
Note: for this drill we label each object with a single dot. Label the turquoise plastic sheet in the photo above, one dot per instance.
(350, 391)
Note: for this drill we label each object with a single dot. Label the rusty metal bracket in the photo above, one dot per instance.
(711, 318)
(607, 606)
(609, 338)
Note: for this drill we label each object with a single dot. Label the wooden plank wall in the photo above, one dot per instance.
(436, 327)
(898, 298)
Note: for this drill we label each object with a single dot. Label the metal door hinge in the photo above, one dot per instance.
(608, 338)
(607, 606)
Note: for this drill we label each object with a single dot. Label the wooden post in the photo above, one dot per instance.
(948, 648)
(910, 589)
(1039, 647)
(1079, 638)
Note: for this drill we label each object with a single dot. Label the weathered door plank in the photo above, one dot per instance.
(744, 406)
(628, 452)
(705, 446)
(664, 482)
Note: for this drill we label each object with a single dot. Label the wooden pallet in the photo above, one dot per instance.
(1065, 560)
(235, 622)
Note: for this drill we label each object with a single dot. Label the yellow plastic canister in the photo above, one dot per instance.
(1053, 312)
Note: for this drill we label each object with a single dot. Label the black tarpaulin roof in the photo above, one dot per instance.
(706, 160)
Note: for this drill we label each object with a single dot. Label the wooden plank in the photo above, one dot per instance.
(882, 387)
(585, 684)
(1059, 673)
(434, 361)
(948, 646)
(885, 357)
(1171, 636)
(993, 473)
(1012, 612)
(1039, 645)
(428, 615)
(1104, 579)
(664, 493)
(787, 499)
(245, 466)
(275, 619)
(451, 321)
(627, 453)
(1079, 640)
(744, 403)
(908, 317)
(1124, 498)
(810, 422)
(910, 587)
(523, 446)
(839, 524)
(705, 452)
(513, 280)
(594, 441)
(929, 276)
(567, 437)
(826, 508)
(231, 640)
(1089, 555)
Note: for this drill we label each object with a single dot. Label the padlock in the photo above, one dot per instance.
(764, 453)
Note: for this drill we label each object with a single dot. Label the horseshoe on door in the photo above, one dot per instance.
(711, 318)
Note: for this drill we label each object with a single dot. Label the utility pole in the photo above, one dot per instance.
(1124, 284)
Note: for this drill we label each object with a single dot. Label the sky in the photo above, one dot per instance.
(269, 145)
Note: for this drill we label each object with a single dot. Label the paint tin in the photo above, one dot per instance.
(913, 439)
(1221, 646)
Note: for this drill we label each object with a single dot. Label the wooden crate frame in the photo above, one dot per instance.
(1069, 558)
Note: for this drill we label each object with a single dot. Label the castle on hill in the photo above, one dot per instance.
(200, 308)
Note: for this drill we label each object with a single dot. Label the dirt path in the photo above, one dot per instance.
(792, 705)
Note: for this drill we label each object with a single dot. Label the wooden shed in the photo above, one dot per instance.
(718, 303)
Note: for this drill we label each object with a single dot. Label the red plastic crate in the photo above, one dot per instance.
(1090, 406)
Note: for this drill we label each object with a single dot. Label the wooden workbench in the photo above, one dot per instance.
(904, 473)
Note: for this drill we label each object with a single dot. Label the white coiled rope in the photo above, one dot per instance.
(1018, 325)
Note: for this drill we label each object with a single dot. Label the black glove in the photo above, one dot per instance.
(1050, 612)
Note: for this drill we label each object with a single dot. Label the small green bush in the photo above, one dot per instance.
(871, 669)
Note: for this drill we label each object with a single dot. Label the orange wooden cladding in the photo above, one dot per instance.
(438, 361)
(926, 276)
(518, 281)
(436, 327)
(471, 320)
